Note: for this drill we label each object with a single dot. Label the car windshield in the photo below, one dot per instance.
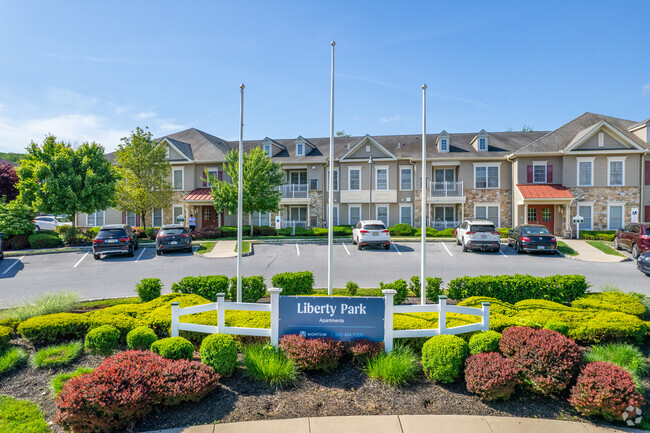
(481, 228)
(374, 227)
(111, 233)
(536, 231)
(172, 232)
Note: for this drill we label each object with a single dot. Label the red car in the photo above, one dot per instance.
(633, 237)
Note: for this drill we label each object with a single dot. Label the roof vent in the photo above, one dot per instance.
(399, 145)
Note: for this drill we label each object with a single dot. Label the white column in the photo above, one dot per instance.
(485, 306)
(442, 316)
(175, 319)
(388, 319)
(275, 315)
(221, 313)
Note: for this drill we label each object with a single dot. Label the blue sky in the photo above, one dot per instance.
(94, 71)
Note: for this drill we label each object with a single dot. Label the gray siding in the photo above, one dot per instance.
(610, 143)
(523, 163)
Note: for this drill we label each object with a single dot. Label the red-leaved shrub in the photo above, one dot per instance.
(364, 350)
(604, 389)
(547, 360)
(125, 387)
(491, 376)
(313, 353)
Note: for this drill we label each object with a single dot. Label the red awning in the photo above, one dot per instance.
(199, 194)
(545, 191)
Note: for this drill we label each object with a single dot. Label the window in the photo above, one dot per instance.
(178, 179)
(382, 214)
(354, 215)
(585, 212)
(616, 171)
(539, 173)
(95, 219)
(406, 179)
(488, 212)
(300, 149)
(157, 217)
(482, 144)
(178, 215)
(313, 184)
(336, 180)
(405, 215)
(298, 178)
(444, 145)
(486, 176)
(355, 179)
(267, 149)
(532, 214)
(207, 213)
(381, 183)
(131, 219)
(443, 177)
(212, 174)
(335, 218)
(546, 214)
(615, 217)
(585, 172)
(261, 219)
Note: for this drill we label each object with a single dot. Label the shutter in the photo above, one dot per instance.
(529, 171)
(205, 178)
(647, 173)
(549, 174)
(220, 175)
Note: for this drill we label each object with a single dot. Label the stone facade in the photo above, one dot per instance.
(316, 209)
(501, 196)
(601, 197)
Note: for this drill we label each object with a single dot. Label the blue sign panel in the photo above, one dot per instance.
(341, 318)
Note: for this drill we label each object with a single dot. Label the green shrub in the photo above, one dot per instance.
(102, 340)
(611, 301)
(604, 235)
(152, 232)
(206, 286)
(219, 351)
(287, 231)
(266, 231)
(626, 356)
(57, 356)
(400, 287)
(53, 328)
(557, 326)
(294, 283)
(16, 218)
(21, 416)
(269, 365)
(141, 338)
(397, 368)
(252, 288)
(47, 303)
(303, 232)
(433, 290)
(149, 289)
(446, 233)
(120, 316)
(486, 341)
(174, 348)
(57, 382)
(443, 357)
(351, 288)
(11, 359)
(431, 232)
(514, 288)
(44, 240)
(503, 232)
(402, 230)
(6, 334)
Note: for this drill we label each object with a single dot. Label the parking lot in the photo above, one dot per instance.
(113, 276)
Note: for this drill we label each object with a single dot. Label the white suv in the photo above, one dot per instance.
(478, 235)
(48, 222)
(370, 232)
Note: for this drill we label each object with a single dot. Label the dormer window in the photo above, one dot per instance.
(482, 143)
(267, 149)
(444, 145)
(300, 149)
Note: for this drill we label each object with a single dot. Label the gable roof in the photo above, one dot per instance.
(185, 149)
(367, 138)
(199, 145)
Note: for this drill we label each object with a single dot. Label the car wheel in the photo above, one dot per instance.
(354, 242)
(97, 256)
(136, 245)
(130, 253)
(188, 249)
(359, 247)
(159, 252)
(387, 247)
(458, 241)
(616, 244)
(496, 250)
(37, 229)
(635, 251)
(465, 249)
(518, 248)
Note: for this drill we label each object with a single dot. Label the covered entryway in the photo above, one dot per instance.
(548, 205)
(542, 214)
(199, 203)
(210, 218)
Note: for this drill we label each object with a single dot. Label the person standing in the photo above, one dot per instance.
(192, 222)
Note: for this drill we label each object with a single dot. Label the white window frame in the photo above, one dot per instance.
(610, 205)
(311, 185)
(257, 218)
(601, 139)
(444, 145)
(350, 207)
(153, 217)
(590, 205)
(486, 205)
(541, 164)
(401, 185)
(336, 180)
(300, 149)
(94, 214)
(267, 149)
(408, 206)
(350, 170)
(485, 144)
(611, 159)
(182, 179)
(589, 160)
(134, 216)
(214, 170)
(174, 216)
(377, 169)
(379, 206)
(336, 218)
(487, 176)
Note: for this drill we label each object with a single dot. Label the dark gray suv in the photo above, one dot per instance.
(173, 237)
(115, 239)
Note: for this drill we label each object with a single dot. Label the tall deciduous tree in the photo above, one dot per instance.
(260, 184)
(144, 169)
(57, 179)
(8, 180)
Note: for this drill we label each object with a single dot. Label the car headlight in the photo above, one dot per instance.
(644, 258)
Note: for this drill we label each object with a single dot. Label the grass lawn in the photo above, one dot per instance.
(565, 249)
(602, 246)
(205, 247)
(246, 247)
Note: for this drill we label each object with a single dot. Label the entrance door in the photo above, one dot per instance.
(542, 214)
(299, 216)
(443, 217)
(208, 216)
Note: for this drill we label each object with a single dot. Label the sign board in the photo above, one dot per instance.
(341, 318)
(634, 215)
(578, 219)
(278, 222)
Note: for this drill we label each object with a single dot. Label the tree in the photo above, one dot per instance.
(15, 218)
(57, 179)
(143, 168)
(261, 180)
(342, 133)
(8, 181)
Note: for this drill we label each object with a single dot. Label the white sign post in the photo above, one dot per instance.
(577, 220)
(634, 215)
(278, 222)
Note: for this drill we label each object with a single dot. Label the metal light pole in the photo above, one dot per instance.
(240, 192)
(330, 202)
(371, 162)
(423, 218)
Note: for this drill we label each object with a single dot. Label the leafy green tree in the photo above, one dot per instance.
(57, 179)
(342, 133)
(15, 218)
(143, 168)
(261, 180)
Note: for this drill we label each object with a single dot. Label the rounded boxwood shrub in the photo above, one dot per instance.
(253, 288)
(219, 351)
(102, 340)
(443, 357)
(174, 348)
(313, 353)
(57, 356)
(294, 283)
(400, 286)
(11, 359)
(6, 334)
(53, 328)
(141, 338)
(557, 326)
(487, 341)
(149, 289)
(402, 230)
(611, 301)
(44, 240)
(491, 376)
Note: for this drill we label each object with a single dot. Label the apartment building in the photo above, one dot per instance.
(595, 166)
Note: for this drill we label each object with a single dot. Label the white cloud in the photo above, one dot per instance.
(646, 89)
(166, 125)
(66, 97)
(145, 115)
(391, 119)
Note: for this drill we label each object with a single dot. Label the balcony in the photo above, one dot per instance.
(446, 192)
(294, 190)
(442, 225)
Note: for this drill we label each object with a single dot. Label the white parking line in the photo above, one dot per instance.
(12, 265)
(396, 249)
(297, 249)
(141, 253)
(346, 248)
(501, 251)
(445, 246)
(79, 261)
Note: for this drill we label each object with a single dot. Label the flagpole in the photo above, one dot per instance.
(240, 193)
(330, 201)
(423, 218)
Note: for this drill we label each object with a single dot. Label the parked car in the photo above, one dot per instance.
(115, 239)
(634, 237)
(49, 222)
(2, 254)
(532, 238)
(173, 237)
(475, 234)
(371, 233)
(643, 263)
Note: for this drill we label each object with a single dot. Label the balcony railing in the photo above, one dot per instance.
(294, 191)
(445, 189)
(442, 225)
(293, 224)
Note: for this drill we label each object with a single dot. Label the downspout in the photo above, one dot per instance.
(413, 184)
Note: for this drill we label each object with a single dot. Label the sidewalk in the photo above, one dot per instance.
(403, 424)
(222, 249)
(587, 253)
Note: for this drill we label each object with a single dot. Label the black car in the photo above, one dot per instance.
(115, 239)
(2, 254)
(532, 238)
(173, 237)
(643, 263)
